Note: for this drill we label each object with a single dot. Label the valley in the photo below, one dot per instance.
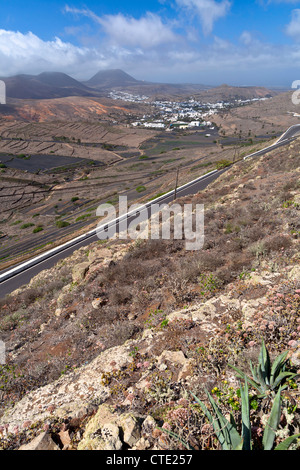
(62, 157)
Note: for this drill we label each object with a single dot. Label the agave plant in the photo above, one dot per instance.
(268, 377)
(227, 433)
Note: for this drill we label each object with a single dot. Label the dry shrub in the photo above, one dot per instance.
(120, 296)
(277, 242)
(210, 260)
(189, 270)
(120, 332)
(254, 233)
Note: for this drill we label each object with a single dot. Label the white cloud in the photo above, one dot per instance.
(209, 11)
(27, 53)
(293, 28)
(146, 32)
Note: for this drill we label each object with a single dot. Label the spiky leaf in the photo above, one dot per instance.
(273, 422)
(282, 377)
(226, 431)
(265, 364)
(278, 366)
(244, 376)
(177, 438)
(285, 445)
(246, 425)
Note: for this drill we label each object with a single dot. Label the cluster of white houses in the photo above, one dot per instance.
(170, 115)
(172, 125)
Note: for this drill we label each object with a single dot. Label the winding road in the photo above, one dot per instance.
(20, 275)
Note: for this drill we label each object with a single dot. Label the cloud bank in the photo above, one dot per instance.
(159, 49)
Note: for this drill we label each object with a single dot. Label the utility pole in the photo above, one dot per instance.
(176, 184)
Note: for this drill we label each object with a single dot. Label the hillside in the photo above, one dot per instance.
(260, 117)
(47, 85)
(105, 349)
(226, 92)
(69, 109)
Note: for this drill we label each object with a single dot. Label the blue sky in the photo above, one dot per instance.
(254, 42)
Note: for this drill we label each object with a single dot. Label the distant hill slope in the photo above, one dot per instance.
(118, 79)
(111, 79)
(47, 85)
(226, 92)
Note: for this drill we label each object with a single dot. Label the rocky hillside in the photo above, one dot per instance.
(105, 350)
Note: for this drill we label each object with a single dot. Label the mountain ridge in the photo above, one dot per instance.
(51, 85)
(47, 85)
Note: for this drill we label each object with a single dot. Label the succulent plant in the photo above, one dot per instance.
(267, 377)
(227, 433)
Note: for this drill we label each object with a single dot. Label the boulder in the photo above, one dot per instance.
(131, 429)
(294, 274)
(79, 271)
(42, 442)
(109, 431)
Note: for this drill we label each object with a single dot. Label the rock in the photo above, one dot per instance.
(294, 274)
(111, 437)
(42, 442)
(60, 300)
(79, 271)
(97, 303)
(109, 431)
(58, 312)
(99, 254)
(131, 429)
(102, 432)
(142, 444)
(175, 357)
(177, 316)
(149, 425)
(187, 370)
(205, 312)
(295, 358)
(65, 439)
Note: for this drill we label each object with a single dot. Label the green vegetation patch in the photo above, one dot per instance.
(62, 224)
(140, 189)
(24, 226)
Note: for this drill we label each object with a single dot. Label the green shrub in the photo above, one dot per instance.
(83, 217)
(222, 164)
(235, 431)
(140, 189)
(38, 229)
(62, 224)
(27, 226)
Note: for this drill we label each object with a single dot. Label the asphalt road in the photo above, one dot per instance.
(23, 278)
(290, 133)
(287, 137)
(18, 279)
